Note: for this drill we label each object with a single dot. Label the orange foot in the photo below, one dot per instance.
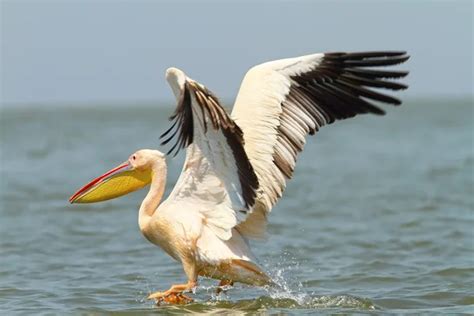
(174, 295)
(174, 299)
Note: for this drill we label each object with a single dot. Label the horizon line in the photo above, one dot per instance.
(162, 102)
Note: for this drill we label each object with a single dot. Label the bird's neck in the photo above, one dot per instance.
(153, 198)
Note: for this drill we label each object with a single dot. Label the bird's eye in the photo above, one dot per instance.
(134, 157)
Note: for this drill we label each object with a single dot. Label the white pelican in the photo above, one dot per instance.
(237, 165)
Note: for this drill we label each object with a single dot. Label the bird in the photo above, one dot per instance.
(237, 164)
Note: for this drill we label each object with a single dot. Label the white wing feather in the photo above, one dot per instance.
(282, 101)
(211, 181)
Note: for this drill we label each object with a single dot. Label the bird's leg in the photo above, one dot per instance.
(224, 284)
(175, 294)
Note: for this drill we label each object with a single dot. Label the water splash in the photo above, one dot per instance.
(283, 274)
(291, 293)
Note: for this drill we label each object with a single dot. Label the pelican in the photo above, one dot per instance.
(237, 164)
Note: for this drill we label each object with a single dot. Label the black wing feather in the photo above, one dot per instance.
(341, 86)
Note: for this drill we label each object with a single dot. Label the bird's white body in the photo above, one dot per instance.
(183, 230)
(187, 239)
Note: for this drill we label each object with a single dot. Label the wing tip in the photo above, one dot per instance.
(176, 79)
(368, 58)
(175, 74)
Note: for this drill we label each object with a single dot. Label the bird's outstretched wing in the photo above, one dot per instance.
(217, 179)
(282, 101)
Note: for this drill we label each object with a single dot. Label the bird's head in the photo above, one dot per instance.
(132, 175)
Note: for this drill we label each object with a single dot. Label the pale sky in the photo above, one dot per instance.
(75, 52)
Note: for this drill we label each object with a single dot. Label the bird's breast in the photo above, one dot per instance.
(171, 234)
